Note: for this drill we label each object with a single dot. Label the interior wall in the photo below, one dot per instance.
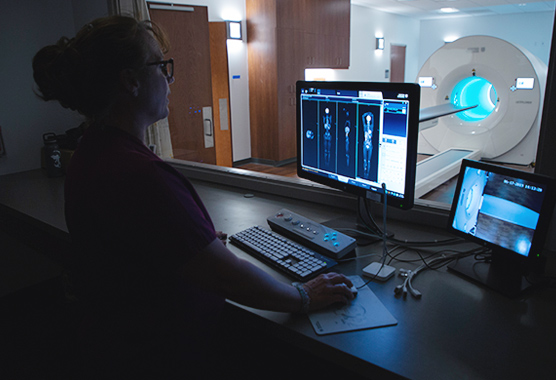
(532, 31)
(369, 64)
(26, 26)
(86, 11)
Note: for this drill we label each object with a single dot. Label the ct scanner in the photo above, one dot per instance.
(480, 98)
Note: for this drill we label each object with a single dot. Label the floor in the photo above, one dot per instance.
(289, 170)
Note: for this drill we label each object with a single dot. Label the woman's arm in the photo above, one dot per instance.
(219, 270)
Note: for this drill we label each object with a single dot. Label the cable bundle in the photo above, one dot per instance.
(434, 263)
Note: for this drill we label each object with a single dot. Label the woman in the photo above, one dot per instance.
(150, 265)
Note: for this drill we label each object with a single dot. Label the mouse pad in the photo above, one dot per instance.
(365, 312)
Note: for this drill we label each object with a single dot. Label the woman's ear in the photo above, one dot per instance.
(129, 81)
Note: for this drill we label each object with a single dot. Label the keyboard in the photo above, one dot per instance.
(281, 253)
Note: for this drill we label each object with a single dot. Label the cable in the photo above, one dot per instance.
(405, 243)
(370, 224)
(434, 264)
(384, 237)
(341, 261)
(407, 285)
(368, 217)
(428, 262)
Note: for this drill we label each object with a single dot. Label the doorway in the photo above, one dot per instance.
(190, 119)
(397, 63)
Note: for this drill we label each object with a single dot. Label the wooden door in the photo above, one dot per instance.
(191, 94)
(397, 63)
(290, 49)
(220, 94)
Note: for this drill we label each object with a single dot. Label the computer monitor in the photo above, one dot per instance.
(359, 137)
(507, 211)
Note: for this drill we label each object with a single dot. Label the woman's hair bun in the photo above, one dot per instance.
(53, 67)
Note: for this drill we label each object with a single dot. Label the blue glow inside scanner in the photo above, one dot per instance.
(505, 86)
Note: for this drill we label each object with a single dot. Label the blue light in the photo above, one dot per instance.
(523, 245)
(471, 91)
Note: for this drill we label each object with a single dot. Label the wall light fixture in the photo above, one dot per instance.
(380, 43)
(234, 30)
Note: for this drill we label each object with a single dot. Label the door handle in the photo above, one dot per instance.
(210, 127)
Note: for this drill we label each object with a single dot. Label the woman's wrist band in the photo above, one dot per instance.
(305, 299)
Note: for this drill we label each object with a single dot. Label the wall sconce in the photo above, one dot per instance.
(233, 29)
(380, 43)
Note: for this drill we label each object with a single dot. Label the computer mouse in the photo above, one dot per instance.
(354, 290)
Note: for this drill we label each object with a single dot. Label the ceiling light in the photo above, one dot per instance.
(449, 10)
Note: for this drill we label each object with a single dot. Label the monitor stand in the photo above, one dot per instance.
(358, 224)
(353, 224)
(506, 277)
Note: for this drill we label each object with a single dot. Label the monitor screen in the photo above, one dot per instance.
(359, 137)
(506, 209)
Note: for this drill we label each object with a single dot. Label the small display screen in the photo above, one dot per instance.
(525, 83)
(499, 206)
(425, 81)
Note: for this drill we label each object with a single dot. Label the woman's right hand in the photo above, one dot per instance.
(328, 289)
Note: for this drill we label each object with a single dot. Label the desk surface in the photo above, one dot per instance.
(457, 330)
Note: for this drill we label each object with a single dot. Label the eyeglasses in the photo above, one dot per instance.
(167, 67)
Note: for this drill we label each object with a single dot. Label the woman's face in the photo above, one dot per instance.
(153, 86)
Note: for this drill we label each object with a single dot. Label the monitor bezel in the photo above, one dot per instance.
(414, 97)
(501, 253)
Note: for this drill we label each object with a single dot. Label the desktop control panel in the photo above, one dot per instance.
(316, 236)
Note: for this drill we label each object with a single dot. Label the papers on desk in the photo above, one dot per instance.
(365, 312)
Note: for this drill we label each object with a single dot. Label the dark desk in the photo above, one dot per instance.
(458, 330)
